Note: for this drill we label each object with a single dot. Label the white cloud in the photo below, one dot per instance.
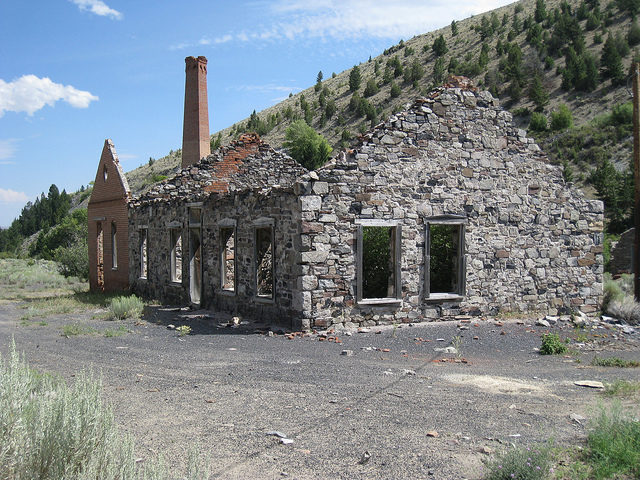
(11, 196)
(269, 87)
(30, 93)
(340, 19)
(98, 7)
(7, 149)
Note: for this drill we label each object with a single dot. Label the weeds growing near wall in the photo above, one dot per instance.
(553, 345)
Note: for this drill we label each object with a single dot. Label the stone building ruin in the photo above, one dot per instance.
(444, 209)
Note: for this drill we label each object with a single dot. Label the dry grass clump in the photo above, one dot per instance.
(126, 307)
(625, 308)
(52, 431)
(619, 301)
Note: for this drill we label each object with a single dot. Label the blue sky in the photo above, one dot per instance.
(74, 72)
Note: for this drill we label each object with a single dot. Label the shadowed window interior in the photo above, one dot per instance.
(379, 262)
(264, 262)
(114, 246)
(445, 258)
(144, 253)
(176, 255)
(228, 259)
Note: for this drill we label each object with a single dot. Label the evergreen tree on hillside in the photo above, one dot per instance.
(355, 78)
(439, 46)
(540, 14)
(538, 94)
(611, 62)
(439, 71)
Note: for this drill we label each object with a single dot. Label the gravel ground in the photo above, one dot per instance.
(394, 409)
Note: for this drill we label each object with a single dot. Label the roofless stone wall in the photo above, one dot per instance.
(531, 242)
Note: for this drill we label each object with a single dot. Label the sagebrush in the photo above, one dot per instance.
(52, 431)
(126, 307)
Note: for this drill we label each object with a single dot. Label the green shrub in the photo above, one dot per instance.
(126, 307)
(538, 122)
(553, 345)
(561, 118)
(306, 146)
(614, 444)
(371, 88)
(614, 362)
(523, 463)
(73, 260)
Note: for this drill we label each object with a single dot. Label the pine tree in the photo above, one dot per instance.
(540, 14)
(454, 28)
(439, 70)
(355, 79)
(611, 62)
(538, 94)
(439, 46)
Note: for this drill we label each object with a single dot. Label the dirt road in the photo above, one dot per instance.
(415, 415)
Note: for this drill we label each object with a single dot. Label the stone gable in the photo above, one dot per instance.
(532, 242)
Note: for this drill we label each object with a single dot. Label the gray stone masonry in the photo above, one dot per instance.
(533, 243)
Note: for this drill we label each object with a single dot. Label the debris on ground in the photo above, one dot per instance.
(589, 384)
(366, 456)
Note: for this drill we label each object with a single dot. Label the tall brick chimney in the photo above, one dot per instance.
(195, 132)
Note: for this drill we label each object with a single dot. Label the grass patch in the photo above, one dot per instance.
(126, 307)
(110, 333)
(526, 463)
(622, 388)
(552, 344)
(75, 329)
(614, 444)
(61, 304)
(51, 431)
(614, 362)
(28, 278)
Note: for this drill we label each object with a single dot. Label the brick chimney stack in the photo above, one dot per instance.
(195, 132)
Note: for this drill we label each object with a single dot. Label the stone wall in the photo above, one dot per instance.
(533, 243)
(246, 211)
(246, 184)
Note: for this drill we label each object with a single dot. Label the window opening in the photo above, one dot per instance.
(445, 258)
(228, 259)
(144, 253)
(195, 216)
(264, 262)
(176, 255)
(380, 261)
(195, 265)
(114, 246)
(105, 173)
(100, 256)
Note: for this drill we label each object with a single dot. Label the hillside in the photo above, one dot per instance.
(503, 51)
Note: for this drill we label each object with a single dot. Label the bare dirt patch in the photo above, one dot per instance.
(226, 387)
